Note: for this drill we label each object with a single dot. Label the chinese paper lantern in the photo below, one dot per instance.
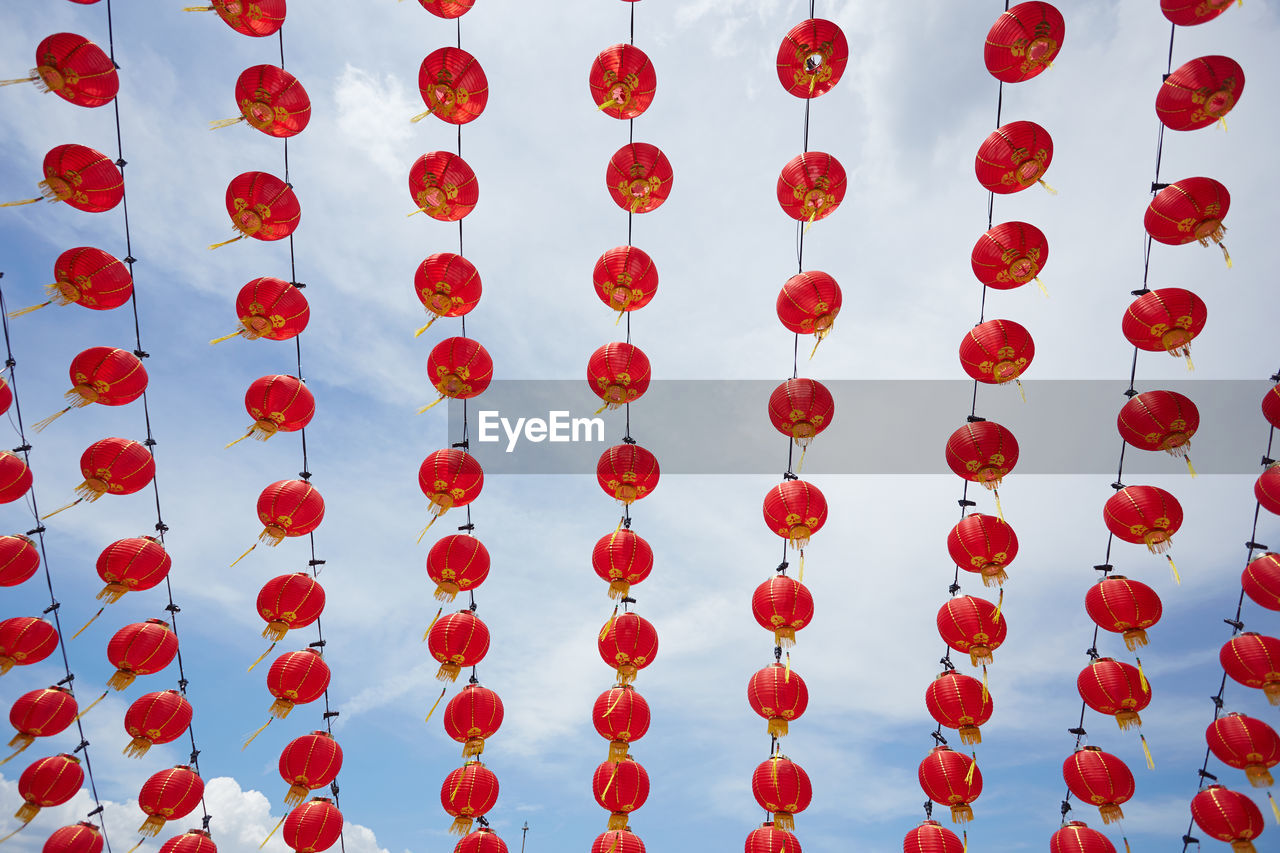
(800, 409)
(1024, 41)
(1118, 689)
(82, 837)
(457, 640)
(627, 472)
(621, 716)
(191, 841)
(271, 100)
(932, 837)
(1188, 13)
(278, 403)
(296, 678)
(620, 788)
(452, 85)
(84, 178)
(169, 795)
(618, 373)
(1166, 320)
(459, 368)
(808, 303)
(628, 643)
(108, 376)
(40, 713)
(289, 508)
(622, 81)
(970, 624)
(25, 640)
(289, 601)
(1228, 816)
(779, 695)
(985, 545)
(811, 186)
(468, 792)
(982, 452)
(457, 563)
(313, 826)
(1014, 157)
(1253, 660)
(618, 841)
(1246, 744)
(15, 477)
(75, 69)
(448, 8)
(622, 558)
(1143, 515)
(88, 277)
(951, 779)
(443, 186)
(132, 565)
(959, 702)
(1189, 210)
(1101, 779)
(812, 58)
(472, 717)
(19, 559)
(270, 308)
(639, 177)
(795, 510)
(1159, 420)
(114, 466)
(308, 763)
(483, 840)
(1123, 606)
(256, 19)
(996, 351)
(48, 782)
(782, 605)
(450, 478)
(625, 278)
(141, 648)
(261, 206)
(447, 285)
(1009, 255)
(1267, 490)
(782, 787)
(1261, 581)
(769, 839)
(1271, 406)
(156, 718)
(1077, 837)
(1200, 92)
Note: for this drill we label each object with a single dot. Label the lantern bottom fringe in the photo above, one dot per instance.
(91, 490)
(6, 664)
(1135, 637)
(961, 813)
(618, 750)
(446, 591)
(618, 821)
(783, 820)
(281, 708)
(21, 311)
(799, 540)
(784, 637)
(626, 675)
(980, 656)
(153, 825)
(473, 747)
(271, 536)
(777, 727)
(460, 826)
(121, 679)
(19, 742)
(970, 734)
(448, 672)
(619, 589)
(1128, 719)
(1243, 847)
(994, 576)
(1273, 693)
(137, 747)
(39, 426)
(1157, 546)
(27, 812)
(275, 630)
(1259, 776)
(1111, 813)
(297, 794)
(112, 592)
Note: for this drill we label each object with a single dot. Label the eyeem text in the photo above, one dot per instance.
(557, 427)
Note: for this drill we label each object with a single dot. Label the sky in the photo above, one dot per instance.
(905, 121)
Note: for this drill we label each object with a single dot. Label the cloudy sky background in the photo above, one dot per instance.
(905, 121)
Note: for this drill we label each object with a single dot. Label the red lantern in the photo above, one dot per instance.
(468, 792)
(951, 779)
(41, 713)
(457, 563)
(639, 177)
(450, 478)
(800, 409)
(114, 466)
(457, 640)
(782, 605)
(1143, 515)
(289, 601)
(627, 472)
(1100, 778)
(272, 101)
(769, 839)
(1253, 660)
(313, 826)
(1166, 320)
(156, 718)
(1271, 406)
(781, 786)
(808, 303)
(1159, 420)
(932, 837)
(142, 648)
(279, 403)
(1123, 606)
(75, 69)
(625, 278)
(169, 795)
(1023, 42)
(448, 8)
(88, 277)
(996, 351)
(1009, 255)
(622, 81)
(1267, 490)
(620, 788)
(812, 58)
(982, 452)
(970, 624)
(1189, 210)
(795, 510)
(25, 640)
(622, 558)
(1246, 744)
(85, 179)
(959, 702)
(19, 559)
(483, 840)
(472, 717)
(618, 373)
(83, 837)
(1077, 837)
(270, 308)
(1199, 93)
(811, 186)
(447, 285)
(628, 643)
(459, 368)
(296, 678)
(48, 782)
(261, 206)
(308, 763)
(985, 545)
(1228, 816)
(6, 396)
(779, 695)
(1014, 157)
(453, 86)
(1188, 13)
(289, 508)
(617, 841)
(621, 716)
(191, 841)
(108, 376)
(132, 565)
(15, 477)
(1261, 580)
(443, 186)
(1118, 689)
(256, 19)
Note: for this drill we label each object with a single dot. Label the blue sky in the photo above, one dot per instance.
(905, 121)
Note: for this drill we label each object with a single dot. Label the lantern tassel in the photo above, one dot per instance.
(965, 848)
(1225, 254)
(121, 679)
(259, 731)
(1127, 848)
(1142, 676)
(234, 334)
(999, 509)
(29, 309)
(241, 438)
(995, 617)
(782, 820)
(1043, 289)
(245, 554)
(91, 706)
(618, 838)
(973, 767)
(621, 693)
(198, 9)
(804, 448)
(428, 527)
(1190, 468)
(39, 426)
(1259, 776)
(225, 122)
(1022, 392)
(152, 826)
(1275, 810)
(418, 333)
(1146, 752)
(31, 79)
(813, 351)
(429, 406)
(271, 833)
(619, 318)
(619, 589)
(961, 813)
(436, 705)
(609, 103)
(141, 841)
(1110, 813)
(608, 626)
(20, 741)
(296, 794)
(20, 203)
(226, 242)
(1044, 184)
(460, 826)
(1222, 123)
(61, 509)
(1173, 568)
(1191, 365)
(786, 675)
(260, 657)
(1135, 637)
(137, 747)
(90, 622)
(16, 831)
(434, 619)
(800, 572)
(986, 686)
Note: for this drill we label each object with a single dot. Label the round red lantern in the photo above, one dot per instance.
(808, 303)
(289, 601)
(982, 452)
(1009, 255)
(1253, 660)
(769, 839)
(6, 396)
(279, 403)
(1101, 779)
(109, 376)
(970, 624)
(1200, 92)
(811, 186)
(1267, 489)
(191, 841)
(1143, 515)
(622, 558)
(795, 510)
(256, 19)
(1189, 210)
(41, 713)
(1271, 405)
(261, 206)
(447, 285)
(447, 8)
(308, 763)
(88, 277)
(450, 478)
(625, 278)
(84, 178)
(270, 308)
(141, 648)
(19, 559)
(996, 351)
(782, 605)
(1188, 13)
(289, 508)
(114, 466)
(932, 837)
(156, 718)
(75, 69)
(779, 695)
(1159, 420)
(271, 100)
(1111, 687)
(457, 563)
(1246, 744)
(443, 186)
(628, 643)
(15, 477)
(472, 717)
(1077, 837)
(1014, 157)
(1228, 816)
(627, 472)
(639, 177)
(459, 368)
(623, 81)
(618, 374)
(313, 826)
(985, 545)
(48, 782)
(951, 779)
(25, 640)
(453, 86)
(483, 840)
(1123, 606)
(620, 788)
(468, 792)
(781, 786)
(1166, 320)
(132, 565)
(83, 837)
(800, 409)
(1024, 41)
(296, 678)
(812, 58)
(457, 640)
(169, 795)
(621, 716)
(959, 702)
(1261, 581)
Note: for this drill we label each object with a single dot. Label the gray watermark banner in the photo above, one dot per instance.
(880, 427)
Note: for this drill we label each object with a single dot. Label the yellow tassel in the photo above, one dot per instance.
(621, 693)
(813, 351)
(1146, 751)
(225, 338)
(20, 203)
(226, 242)
(1275, 810)
(1142, 676)
(1222, 123)
(87, 624)
(812, 218)
(999, 509)
(800, 464)
(29, 309)
(968, 777)
(608, 626)
(260, 657)
(434, 619)
(429, 406)
(16, 831)
(1190, 468)
(1172, 567)
(965, 848)
(995, 617)
(420, 116)
(1022, 392)
(609, 103)
(91, 706)
(773, 770)
(419, 210)
(271, 833)
(141, 841)
(40, 425)
(433, 520)
(619, 319)
(245, 554)
(1043, 289)
(1191, 365)
(19, 80)
(296, 795)
(238, 440)
(800, 574)
(1051, 190)
(226, 122)
(61, 509)
(255, 734)
(1127, 848)
(418, 333)
(786, 676)
(1225, 254)
(610, 782)
(136, 748)
(198, 9)
(436, 705)
(986, 686)
(618, 838)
